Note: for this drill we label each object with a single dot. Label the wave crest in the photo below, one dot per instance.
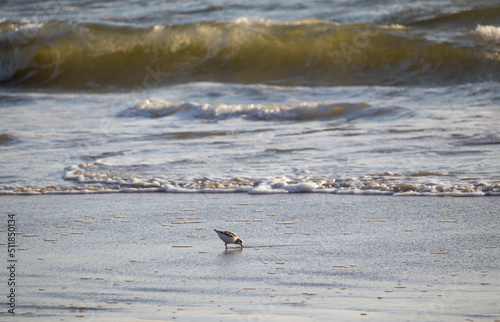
(260, 112)
(489, 32)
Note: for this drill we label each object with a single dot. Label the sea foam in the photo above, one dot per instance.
(488, 32)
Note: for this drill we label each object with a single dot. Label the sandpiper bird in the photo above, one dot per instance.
(228, 237)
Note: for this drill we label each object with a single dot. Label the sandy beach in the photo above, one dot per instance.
(317, 257)
(338, 139)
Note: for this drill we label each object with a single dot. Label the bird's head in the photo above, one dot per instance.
(239, 241)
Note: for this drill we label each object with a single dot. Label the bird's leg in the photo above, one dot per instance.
(226, 245)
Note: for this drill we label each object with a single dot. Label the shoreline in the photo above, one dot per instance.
(452, 194)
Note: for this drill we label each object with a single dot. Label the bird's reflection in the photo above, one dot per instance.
(232, 251)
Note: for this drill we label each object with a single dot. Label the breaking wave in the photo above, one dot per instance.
(260, 112)
(76, 56)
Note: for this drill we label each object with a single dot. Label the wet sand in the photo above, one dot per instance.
(317, 257)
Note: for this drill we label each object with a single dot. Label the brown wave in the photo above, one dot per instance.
(312, 52)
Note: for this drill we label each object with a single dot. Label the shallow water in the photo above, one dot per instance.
(360, 97)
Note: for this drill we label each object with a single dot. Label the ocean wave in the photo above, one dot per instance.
(260, 112)
(311, 52)
(91, 178)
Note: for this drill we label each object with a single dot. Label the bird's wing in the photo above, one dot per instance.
(229, 233)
